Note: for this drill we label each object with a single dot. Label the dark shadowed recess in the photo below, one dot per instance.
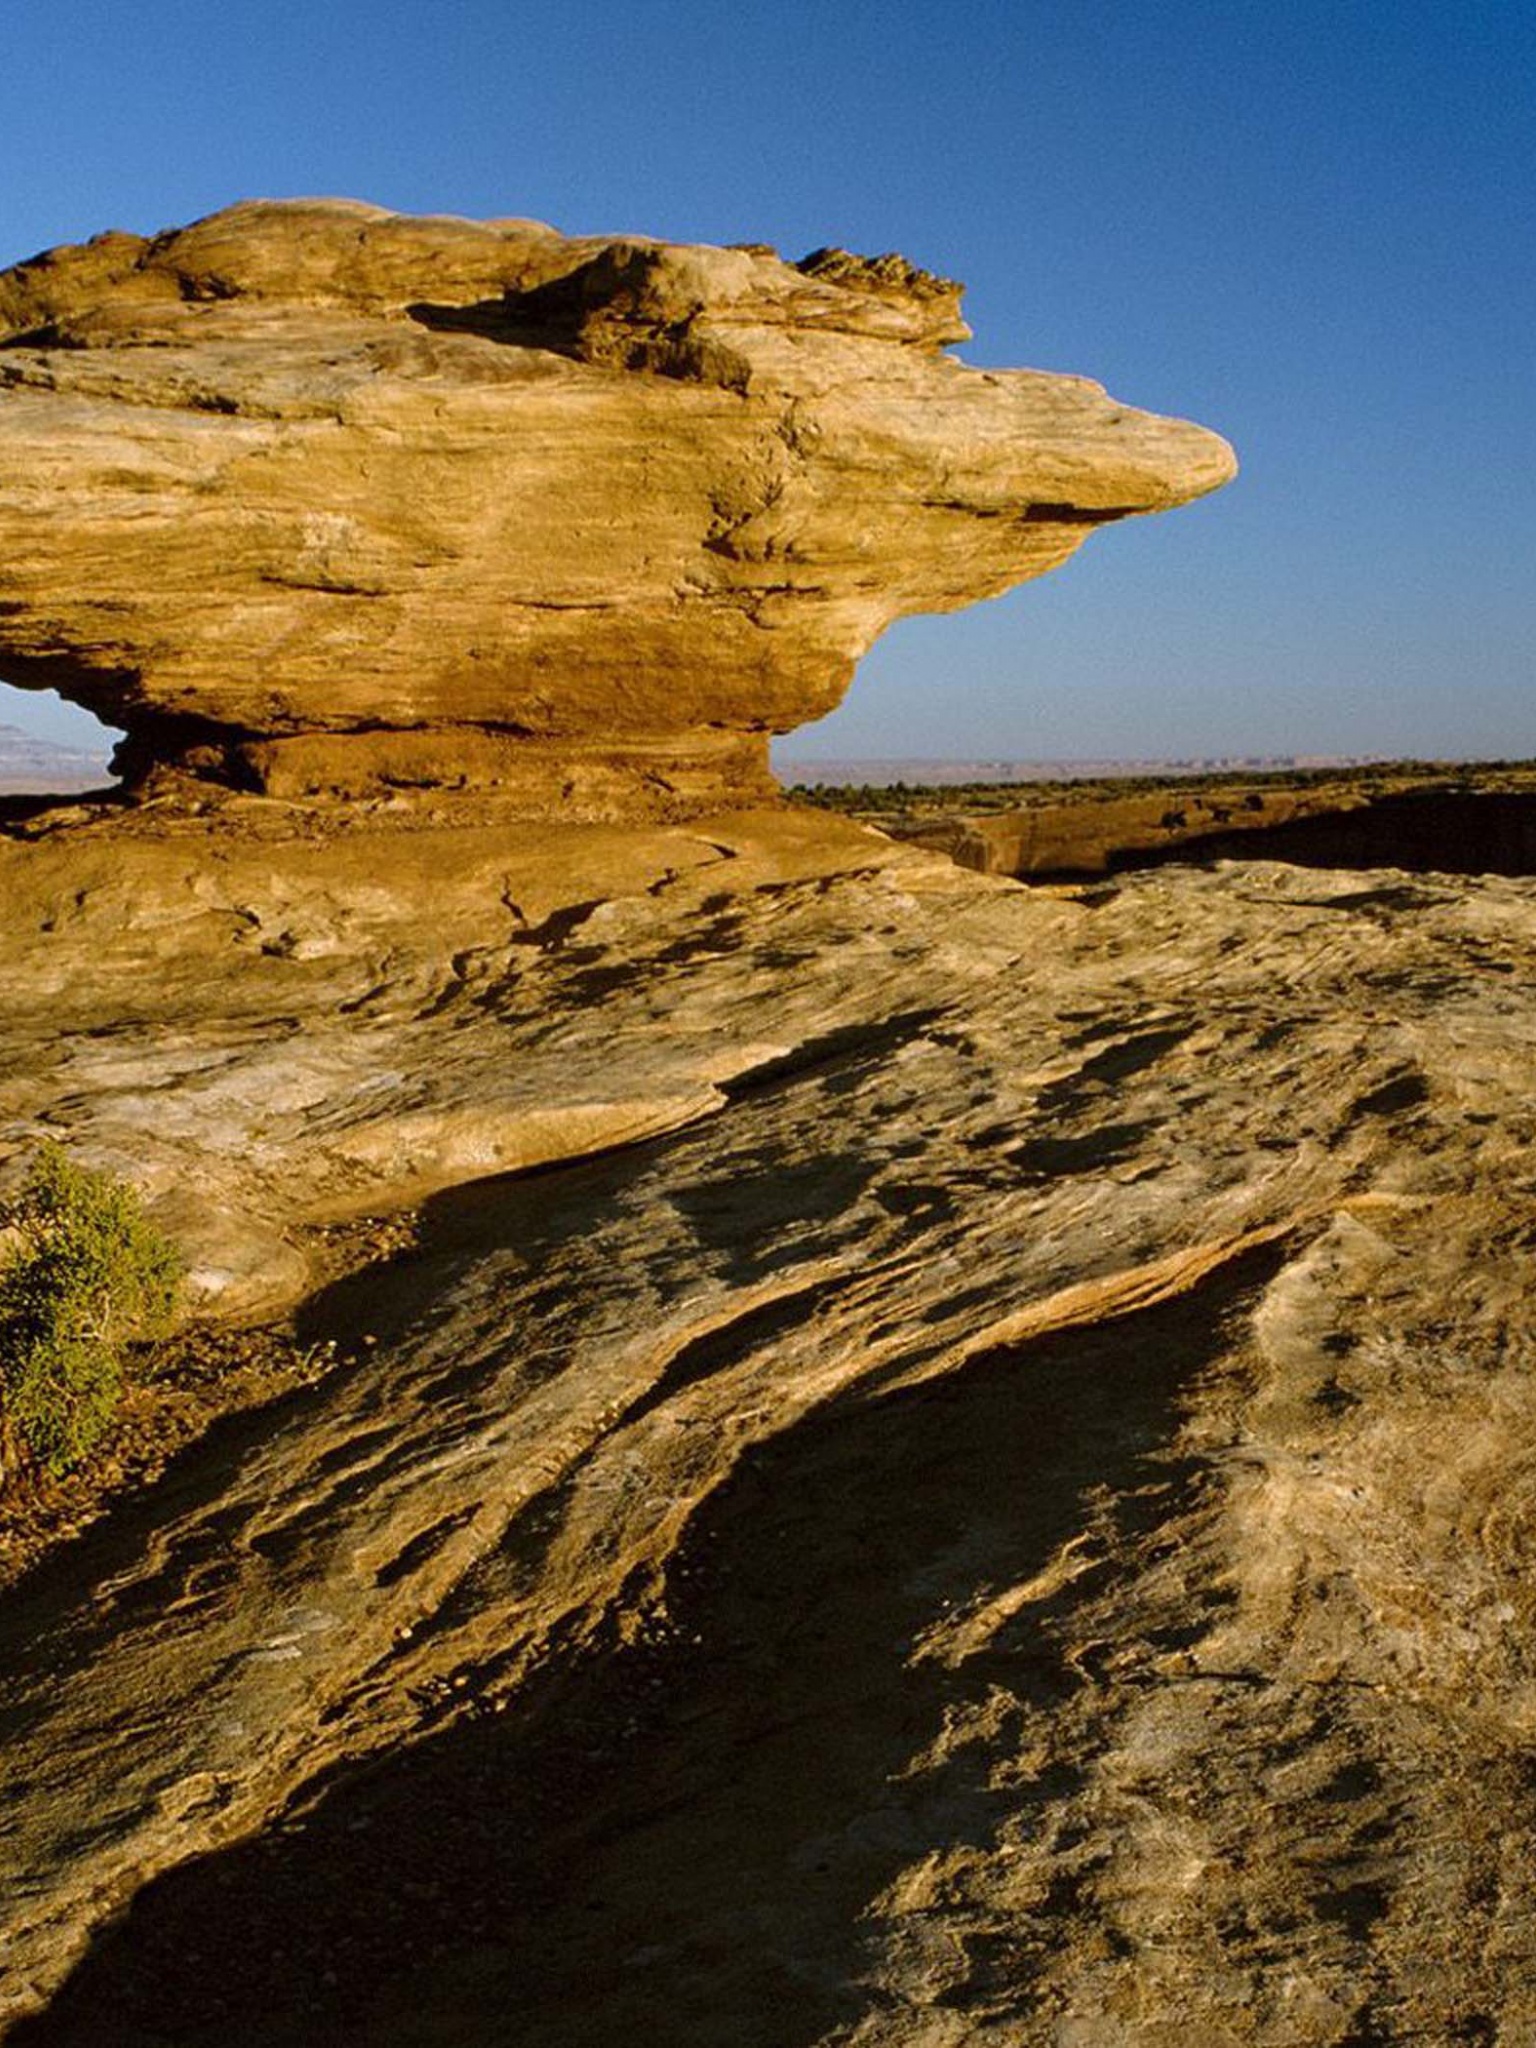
(1433, 832)
(676, 1839)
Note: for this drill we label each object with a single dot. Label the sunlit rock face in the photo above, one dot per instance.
(313, 497)
(982, 1492)
(1013, 1505)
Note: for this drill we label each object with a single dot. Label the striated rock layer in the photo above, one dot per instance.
(310, 496)
(950, 1463)
(1005, 1515)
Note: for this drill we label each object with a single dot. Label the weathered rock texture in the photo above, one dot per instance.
(983, 1493)
(1007, 1518)
(311, 496)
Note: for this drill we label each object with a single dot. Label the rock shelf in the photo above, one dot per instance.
(312, 498)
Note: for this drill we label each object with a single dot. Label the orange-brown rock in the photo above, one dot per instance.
(980, 1497)
(310, 496)
(1006, 1518)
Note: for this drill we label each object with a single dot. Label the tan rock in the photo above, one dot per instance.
(982, 1495)
(311, 496)
(1479, 821)
(1014, 1500)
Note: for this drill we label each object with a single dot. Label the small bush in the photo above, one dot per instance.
(85, 1274)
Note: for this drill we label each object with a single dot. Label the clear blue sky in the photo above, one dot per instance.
(1311, 226)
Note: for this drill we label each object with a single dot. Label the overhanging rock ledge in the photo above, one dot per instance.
(313, 498)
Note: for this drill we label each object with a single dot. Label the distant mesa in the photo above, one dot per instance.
(314, 498)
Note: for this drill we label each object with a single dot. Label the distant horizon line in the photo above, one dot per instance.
(835, 768)
(940, 768)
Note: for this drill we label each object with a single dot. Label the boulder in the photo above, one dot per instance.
(310, 497)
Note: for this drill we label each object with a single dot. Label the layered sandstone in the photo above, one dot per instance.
(309, 496)
(1006, 1519)
(982, 1494)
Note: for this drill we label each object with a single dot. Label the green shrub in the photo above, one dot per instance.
(85, 1274)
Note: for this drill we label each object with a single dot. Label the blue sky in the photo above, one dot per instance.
(1311, 227)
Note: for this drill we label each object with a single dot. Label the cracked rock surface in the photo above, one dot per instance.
(982, 1491)
(309, 496)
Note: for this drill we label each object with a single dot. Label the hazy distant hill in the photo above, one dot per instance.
(32, 766)
(924, 773)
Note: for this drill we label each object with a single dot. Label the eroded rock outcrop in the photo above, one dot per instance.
(1424, 819)
(310, 496)
(1007, 1519)
(983, 1493)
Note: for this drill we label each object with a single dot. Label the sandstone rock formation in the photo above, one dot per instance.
(309, 496)
(1005, 1518)
(982, 1492)
(1425, 819)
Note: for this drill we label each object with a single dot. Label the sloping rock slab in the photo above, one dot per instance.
(1007, 1521)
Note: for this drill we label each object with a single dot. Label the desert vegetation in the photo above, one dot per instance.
(84, 1275)
(1467, 818)
(914, 801)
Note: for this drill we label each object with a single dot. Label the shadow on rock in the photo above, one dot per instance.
(682, 1837)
